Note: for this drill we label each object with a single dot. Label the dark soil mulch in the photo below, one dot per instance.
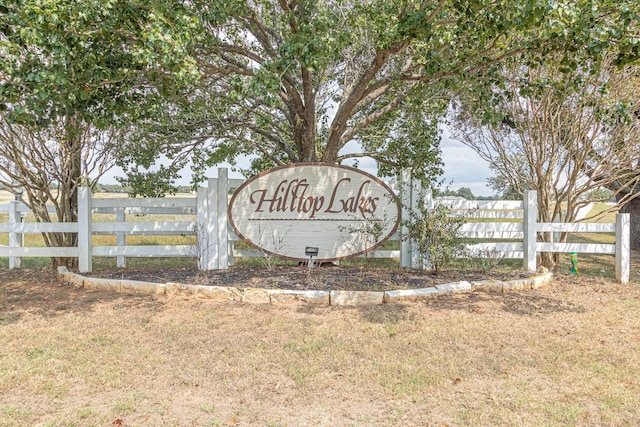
(302, 277)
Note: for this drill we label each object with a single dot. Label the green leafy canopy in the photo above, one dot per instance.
(303, 80)
(300, 80)
(96, 59)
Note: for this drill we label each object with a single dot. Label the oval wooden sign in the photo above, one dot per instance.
(288, 211)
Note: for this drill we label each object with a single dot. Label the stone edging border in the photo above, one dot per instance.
(281, 296)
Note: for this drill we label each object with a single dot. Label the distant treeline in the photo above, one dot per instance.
(117, 188)
(463, 192)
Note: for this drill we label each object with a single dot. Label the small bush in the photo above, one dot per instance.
(437, 235)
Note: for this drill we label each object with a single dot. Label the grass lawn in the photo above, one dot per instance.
(568, 354)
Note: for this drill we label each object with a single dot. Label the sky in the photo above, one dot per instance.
(463, 167)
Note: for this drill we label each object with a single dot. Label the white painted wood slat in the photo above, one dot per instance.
(39, 227)
(143, 227)
(593, 248)
(44, 252)
(577, 227)
(145, 251)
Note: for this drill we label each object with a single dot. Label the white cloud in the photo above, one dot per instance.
(463, 167)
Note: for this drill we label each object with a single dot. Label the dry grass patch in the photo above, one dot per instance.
(565, 355)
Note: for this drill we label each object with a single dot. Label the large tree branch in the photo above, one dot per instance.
(379, 113)
(350, 102)
(376, 155)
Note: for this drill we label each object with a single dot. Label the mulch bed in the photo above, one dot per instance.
(304, 278)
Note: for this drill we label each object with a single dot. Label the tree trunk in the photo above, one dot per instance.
(633, 208)
(70, 150)
(547, 259)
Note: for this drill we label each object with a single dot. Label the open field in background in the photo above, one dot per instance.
(37, 240)
(5, 196)
(596, 265)
(567, 354)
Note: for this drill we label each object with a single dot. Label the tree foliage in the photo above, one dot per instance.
(309, 80)
(72, 75)
(464, 192)
(304, 80)
(563, 133)
(94, 60)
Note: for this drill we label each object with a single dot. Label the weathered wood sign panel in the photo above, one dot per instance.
(342, 211)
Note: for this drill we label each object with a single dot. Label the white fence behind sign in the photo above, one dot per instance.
(510, 228)
(506, 232)
(515, 235)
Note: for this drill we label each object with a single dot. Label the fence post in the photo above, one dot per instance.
(416, 192)
(230, 248)
(212, 262)
(427, 199)
(623, 247)
(15, 239)
(121, 240)
(200, 230)
(529, 223)
(405, 195)
(84, 230)
(223, 206)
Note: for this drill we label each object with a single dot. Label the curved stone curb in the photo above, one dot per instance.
(280, 296)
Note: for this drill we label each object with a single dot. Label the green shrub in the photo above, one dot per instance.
(437, 235)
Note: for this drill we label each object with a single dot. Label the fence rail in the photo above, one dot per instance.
(509, 229)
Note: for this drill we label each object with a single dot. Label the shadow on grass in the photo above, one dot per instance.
(386, 313)
(526, 303)
(39, 292)
(532, 304)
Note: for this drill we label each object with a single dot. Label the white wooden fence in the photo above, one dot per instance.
(512, 234)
